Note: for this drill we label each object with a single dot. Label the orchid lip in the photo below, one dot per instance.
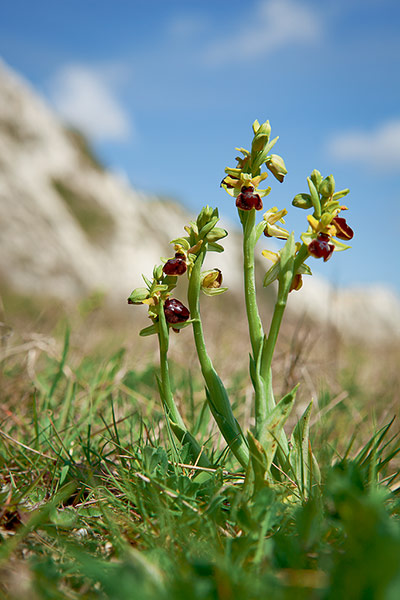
(249, 199)
(175, 311)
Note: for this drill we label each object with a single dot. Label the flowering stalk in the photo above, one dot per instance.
(217, 395)
(174, 417)
(263, 398)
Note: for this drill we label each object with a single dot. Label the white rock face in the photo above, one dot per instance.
(45, 182)
(68, 227)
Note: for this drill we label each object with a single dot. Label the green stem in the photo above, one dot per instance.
(217, 394)
(249, 241)
(175, 419)
(283, 293)
(269, 347)
(254, 321)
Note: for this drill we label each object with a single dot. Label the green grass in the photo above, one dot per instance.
(97, 499)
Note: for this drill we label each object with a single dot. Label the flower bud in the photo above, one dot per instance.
(138, 296)
(343, 231)
(316, 178)
(211, 279)
(217, 233)
(327, 187)
(260, 140)
(276, 165)
(248, 199)
(175, 266)
(302, 201)
(175, 311)
(320, 247)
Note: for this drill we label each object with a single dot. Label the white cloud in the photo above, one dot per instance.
(379, 147)
(275, 23)
(86, 98)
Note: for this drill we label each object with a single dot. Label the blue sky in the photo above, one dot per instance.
(166, 90)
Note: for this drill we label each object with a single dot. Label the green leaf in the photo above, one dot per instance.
(299, 453)
(272, 274)
(269, 436)
(259, 230)
(259, 461)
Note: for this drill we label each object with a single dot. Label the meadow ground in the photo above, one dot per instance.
(97, 499)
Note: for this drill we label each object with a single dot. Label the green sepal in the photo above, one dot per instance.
(314, 198)
(214, 247)
(213, 291)
(151, 330)
(138, 295)
(182, 241)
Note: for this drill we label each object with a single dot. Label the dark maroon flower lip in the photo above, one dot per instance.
(320, 247)
(175, 266)
(175, 311)
(343, 231)
(248, 199)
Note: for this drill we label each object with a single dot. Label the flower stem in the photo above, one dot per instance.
(175, 419)
(254, 321)
(217, 394)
